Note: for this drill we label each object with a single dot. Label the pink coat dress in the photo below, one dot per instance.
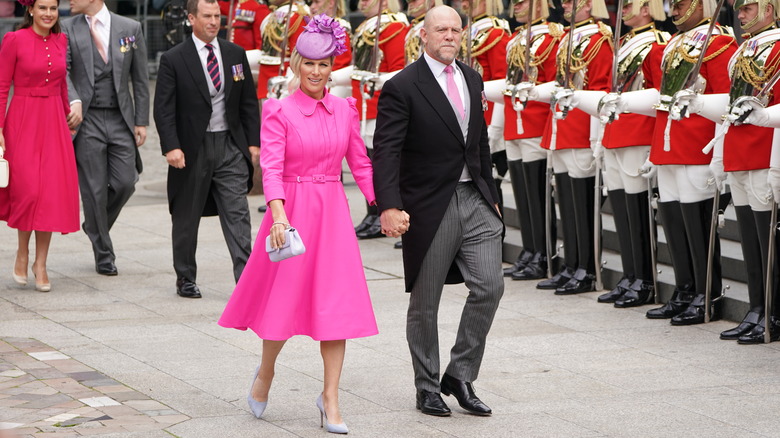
(43, 189)
(321, 293)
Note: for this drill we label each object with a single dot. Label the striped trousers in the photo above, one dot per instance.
(470, 235)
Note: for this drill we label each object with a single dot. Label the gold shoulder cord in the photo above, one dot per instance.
(579, 63)
(750, 71)
(682, 53)
(275, 30)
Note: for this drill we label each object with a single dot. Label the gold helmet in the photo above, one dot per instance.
(492, 7)
(545, 9)
(709, 9)
(656, 8)
(390, 5)
(598, 8)
(761, 10)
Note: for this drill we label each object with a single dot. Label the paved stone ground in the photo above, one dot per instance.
(554, 366)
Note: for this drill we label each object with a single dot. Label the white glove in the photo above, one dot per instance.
(596, 135)
(610, 107)
(341, 77)
(588, 101)
(640, 102)
(709, 106)
(758, 115)
(379, 80)
(648, 170)
(494, 90)
(565, 99)
(540, 93)
(774, 182)
(716, 166)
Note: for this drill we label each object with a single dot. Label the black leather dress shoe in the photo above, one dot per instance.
(616, 293)
(748, 322)
(399, 244)
(756, 335)
(679, 302)
(637, 295)
(464, 392)
(107, 268)
(536, 269)
(558, 280)
(694, 314)
(373, 231)
(365, 223)
(581, 282)
(431, 403)
(187, 289)
(522, 259)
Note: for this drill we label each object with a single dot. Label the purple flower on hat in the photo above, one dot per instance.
(26, 2)
(323, 24)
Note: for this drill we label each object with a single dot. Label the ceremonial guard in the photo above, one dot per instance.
(280, 30)
(626, 146)
(585, 64)
(337, 10)
(245, 20)
(371, 68)
(687, 193)
(523, 130)
(488, 36)
(413, 46)
(743, 153)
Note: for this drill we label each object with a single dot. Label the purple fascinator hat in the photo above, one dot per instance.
(27, 3)
(322, 38)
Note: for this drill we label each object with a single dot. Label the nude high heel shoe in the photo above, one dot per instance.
(332, 428)
(20, 280)
(255, 406)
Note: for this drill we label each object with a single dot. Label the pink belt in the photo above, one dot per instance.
(37, 91)
(320, 179)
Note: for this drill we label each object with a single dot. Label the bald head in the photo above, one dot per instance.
(441, 34)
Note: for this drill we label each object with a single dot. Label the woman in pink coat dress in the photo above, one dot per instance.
(43, 192)
(321, 293)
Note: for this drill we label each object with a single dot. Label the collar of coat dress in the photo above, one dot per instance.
(307, 104)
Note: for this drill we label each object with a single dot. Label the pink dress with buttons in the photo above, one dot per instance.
(43, 191)
(321, 293)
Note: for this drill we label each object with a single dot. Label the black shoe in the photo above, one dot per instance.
(367, 221)
(522, 259)
(187, 289)
(694, 314)
(373, 231)
(637, 295)
(679, 302)
(399, 244)
(756, 335)
(581, 282)
(748, 322)
(558, 280)
(262, 208)
(107, 268)
(536, 269)
(616, 293)
(431, 403)
(464, 392)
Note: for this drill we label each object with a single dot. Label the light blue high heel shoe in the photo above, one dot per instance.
(332, 428)
(255, 406)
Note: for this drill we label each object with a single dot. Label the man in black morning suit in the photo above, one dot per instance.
(207, 117)
(433, 177)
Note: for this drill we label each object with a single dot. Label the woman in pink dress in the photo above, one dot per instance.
(42, 193)
(321, 293)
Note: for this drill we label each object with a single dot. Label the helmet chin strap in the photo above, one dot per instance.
(687, 14)
(370, 6)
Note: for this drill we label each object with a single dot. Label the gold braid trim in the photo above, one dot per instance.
(487, 47)
(391, 36)
(750, 71)
(542, 57)
(276, 30)
(682, 53)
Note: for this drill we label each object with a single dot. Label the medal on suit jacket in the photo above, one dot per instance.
(238, 72)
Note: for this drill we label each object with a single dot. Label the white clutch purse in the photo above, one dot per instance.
(293, 246)
(4, 171)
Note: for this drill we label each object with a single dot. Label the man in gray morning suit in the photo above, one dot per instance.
(434, 185)
(106, 53)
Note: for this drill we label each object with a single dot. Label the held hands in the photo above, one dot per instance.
(648, 170)
(139, 132)
(74, 116)
(175, 158)
(254, 153)
(395, 222)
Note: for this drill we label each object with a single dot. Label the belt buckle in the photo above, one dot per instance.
(318, 178)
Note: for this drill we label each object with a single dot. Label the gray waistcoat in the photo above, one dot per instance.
(105, 93)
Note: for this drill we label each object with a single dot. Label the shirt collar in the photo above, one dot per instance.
(437, 67)
(200, 44)
(307, 104)
(103, 16)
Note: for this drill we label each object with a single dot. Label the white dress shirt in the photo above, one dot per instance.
(218, 120)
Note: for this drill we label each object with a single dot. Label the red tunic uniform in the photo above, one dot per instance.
(690, 135)
(593, 71)
(489, 37)
(544, 46)
(272, 29)
(247, 17)
(637, 129)
(748, 147)
(392, 36)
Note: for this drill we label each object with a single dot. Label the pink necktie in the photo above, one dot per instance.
(452, 91)
(96, 37)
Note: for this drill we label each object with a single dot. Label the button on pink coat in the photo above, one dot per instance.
(321, 293)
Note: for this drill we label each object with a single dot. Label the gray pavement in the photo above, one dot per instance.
(554, 366)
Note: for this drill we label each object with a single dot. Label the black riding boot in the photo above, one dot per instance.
(584, 279)
(642, 288)
(565, 203)
(523, 211)
(617, 198)
(534, 174)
